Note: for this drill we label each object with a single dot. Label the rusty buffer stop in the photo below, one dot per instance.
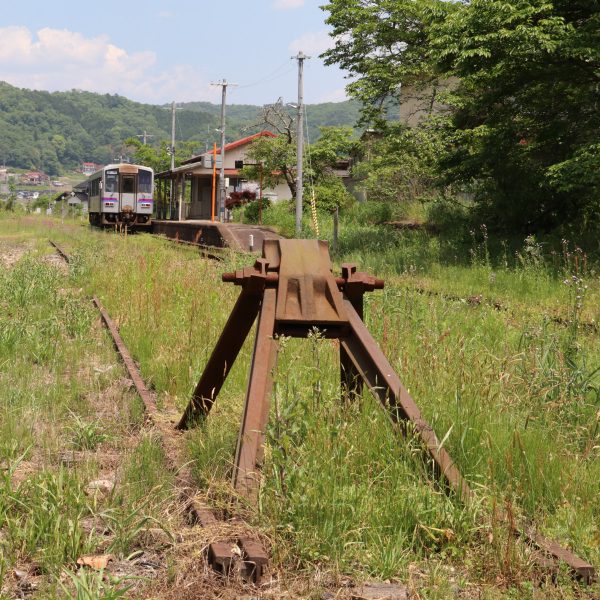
(292, 290)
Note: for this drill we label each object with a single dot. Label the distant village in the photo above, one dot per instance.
(29, 186)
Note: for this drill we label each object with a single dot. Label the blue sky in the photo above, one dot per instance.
(157, 51)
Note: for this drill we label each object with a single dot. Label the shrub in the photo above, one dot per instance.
(251, 210)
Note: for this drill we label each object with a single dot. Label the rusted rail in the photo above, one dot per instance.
(222, 555)
(206, 251)
(134, 373)
(60, 251)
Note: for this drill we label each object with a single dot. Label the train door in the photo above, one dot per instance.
(128, 192)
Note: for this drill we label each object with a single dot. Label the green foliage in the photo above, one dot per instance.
(330, 193)
(44, 519)
(42, 202)
(278, 159)
(59, 130)
(95, 585)
(522, 131)
(369, 213)
(250, 211)
(382, 44)
(277, 155)
(85, 435)
(401, 166)
(334, 144)
(525, 116)
(56, 131)
(328, 474)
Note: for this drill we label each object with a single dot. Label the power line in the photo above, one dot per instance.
(270, 76)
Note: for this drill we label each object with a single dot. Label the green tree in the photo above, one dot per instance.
(334, 144)
(330, 193)
(525, 120)
(277, 155)
(522, 135)
(383, 45)
(273, 159)
(402, 165)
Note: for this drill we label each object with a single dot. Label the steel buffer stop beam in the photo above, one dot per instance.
(292, 291)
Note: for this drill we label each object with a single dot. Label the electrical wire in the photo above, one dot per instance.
(272, 76)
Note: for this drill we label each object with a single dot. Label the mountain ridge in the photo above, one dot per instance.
(57, 131)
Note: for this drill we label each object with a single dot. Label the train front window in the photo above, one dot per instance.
(111, 179)
(128, 184)
(145, 181)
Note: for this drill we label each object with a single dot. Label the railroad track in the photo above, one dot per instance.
(221, 554)
(224, 553)
(60, 251)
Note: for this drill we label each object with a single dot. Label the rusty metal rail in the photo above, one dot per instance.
(60, 251)
(147, 397)
(212, 252)
(221, 555)
(292, 291)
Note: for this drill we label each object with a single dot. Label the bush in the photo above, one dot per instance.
(250, 214)
(329, 194)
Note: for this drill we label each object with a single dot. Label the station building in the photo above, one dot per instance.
(197, 172)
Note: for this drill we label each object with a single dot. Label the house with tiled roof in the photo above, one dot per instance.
(34, 178)
(198, 172)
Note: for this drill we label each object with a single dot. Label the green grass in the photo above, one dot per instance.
(514, 394)
(60, 391)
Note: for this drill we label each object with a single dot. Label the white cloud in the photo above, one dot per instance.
(59, 59)
(312, 43)
(287, 4)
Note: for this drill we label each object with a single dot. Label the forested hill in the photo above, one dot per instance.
(53, 132)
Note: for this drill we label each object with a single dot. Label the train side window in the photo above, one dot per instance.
(111, 179)
(145, 181)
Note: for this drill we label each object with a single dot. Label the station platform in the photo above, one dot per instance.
(237, 236)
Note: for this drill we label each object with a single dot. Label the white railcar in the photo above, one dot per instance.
(120, 195)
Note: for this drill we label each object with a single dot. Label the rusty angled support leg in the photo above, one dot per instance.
(222, 358)
(256, 408)
(351, 379)
(383, 381)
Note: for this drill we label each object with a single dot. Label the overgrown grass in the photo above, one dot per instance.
(514, 394)
(60, 392)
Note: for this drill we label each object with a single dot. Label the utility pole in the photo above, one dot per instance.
(301, 57)
(172, 135)
(144, 136)
(172, 159)
(222, 186)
